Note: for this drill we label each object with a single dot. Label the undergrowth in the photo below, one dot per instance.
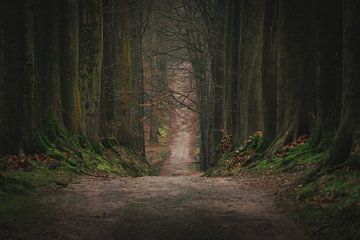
(62, 157)
(325, 199)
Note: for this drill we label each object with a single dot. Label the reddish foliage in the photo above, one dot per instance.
(24, 162)
(226, 143)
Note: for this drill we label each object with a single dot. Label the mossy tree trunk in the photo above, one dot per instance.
(109, 69)
(70, 90)
(48, 63)
(90, 65)
(123, 84)
(137, 75)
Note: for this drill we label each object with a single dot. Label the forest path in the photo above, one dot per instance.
(179, 205)
(183, 130)
(153, 208)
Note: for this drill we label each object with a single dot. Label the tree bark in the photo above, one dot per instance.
(269, 71)
(48, 63)
(70, 90)
(90, 65)
(123, 84)
(109, 69)
(137, 75)
(218, 73)
(343, 141)
(328, 84)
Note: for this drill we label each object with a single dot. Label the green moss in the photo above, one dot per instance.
(51, 127)
(332, 200)
(40, 143)
(65, 159)
(327, 201)
(10, 185)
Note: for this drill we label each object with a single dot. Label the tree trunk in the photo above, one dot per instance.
(269, 71)
(48, 63)
(90, 64)
(236, 83)
(218, 73)
(342, 143)
(27, 83)
(19, 90)
(298, 66)
(109, 69)
(123, 85)
(2, 70)
(229, 28)
(137, 75)
(328, 83)
(70, 90)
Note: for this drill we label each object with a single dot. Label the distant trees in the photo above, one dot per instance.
(284, 68)
(68, 65)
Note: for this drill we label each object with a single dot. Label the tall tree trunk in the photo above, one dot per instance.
(9, 131)
(18, 99)
(229, 47)
(328, 85)
(90, 64)
(70, 90)
(342, 143)
(298, 72)
(109, 69)
(269, 71)
(250, 69)
(123, 84)
(27, 83)
(218, 73)
(48, 63)
(236, 83)
(137, 75)
(2, 69)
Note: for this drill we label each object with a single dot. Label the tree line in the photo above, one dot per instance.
(70, 68)
(286, 68)
(289, 68)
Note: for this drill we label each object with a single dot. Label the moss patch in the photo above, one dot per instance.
(59, 157)
(327, 200)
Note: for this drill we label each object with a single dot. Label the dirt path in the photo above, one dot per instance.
(155, 208)
(179, 205)
(183, 129)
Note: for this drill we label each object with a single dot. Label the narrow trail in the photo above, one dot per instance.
(178, 205)
(183, 130)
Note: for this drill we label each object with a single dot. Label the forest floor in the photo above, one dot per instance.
(179, 204)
